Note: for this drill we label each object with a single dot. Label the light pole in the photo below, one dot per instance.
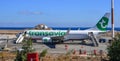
(112, 17)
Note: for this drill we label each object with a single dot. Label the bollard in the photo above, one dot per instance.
(80, 52)
(101, 52)
(95, 52)
(84, 51)
(66, 47)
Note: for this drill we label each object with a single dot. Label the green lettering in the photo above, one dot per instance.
(56, 34)
(63, 33)
(45, 33)
(40, 33)
(30, 33)
(36, 33)
(51, 33)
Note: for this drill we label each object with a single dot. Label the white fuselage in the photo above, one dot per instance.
(72, 34)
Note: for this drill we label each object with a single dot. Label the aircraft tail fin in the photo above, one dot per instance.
(103, 23)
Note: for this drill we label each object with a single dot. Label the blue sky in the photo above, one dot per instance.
(60, 13)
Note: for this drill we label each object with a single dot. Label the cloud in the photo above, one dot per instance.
(30, 13)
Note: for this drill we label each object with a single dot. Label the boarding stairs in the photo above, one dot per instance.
(94, 39)
(20, 38)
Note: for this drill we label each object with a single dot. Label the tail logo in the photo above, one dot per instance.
(102, 24)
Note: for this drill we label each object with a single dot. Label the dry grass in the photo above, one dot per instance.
(7, 56)
(72, 58)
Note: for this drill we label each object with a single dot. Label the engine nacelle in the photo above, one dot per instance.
(46, 39)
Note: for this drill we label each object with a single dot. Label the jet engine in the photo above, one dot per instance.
(46, 39)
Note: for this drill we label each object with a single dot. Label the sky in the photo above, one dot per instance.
(56, 13)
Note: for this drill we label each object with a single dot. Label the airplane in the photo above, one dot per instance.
(63, 35)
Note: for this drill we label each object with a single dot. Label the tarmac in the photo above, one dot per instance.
(58, 48)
